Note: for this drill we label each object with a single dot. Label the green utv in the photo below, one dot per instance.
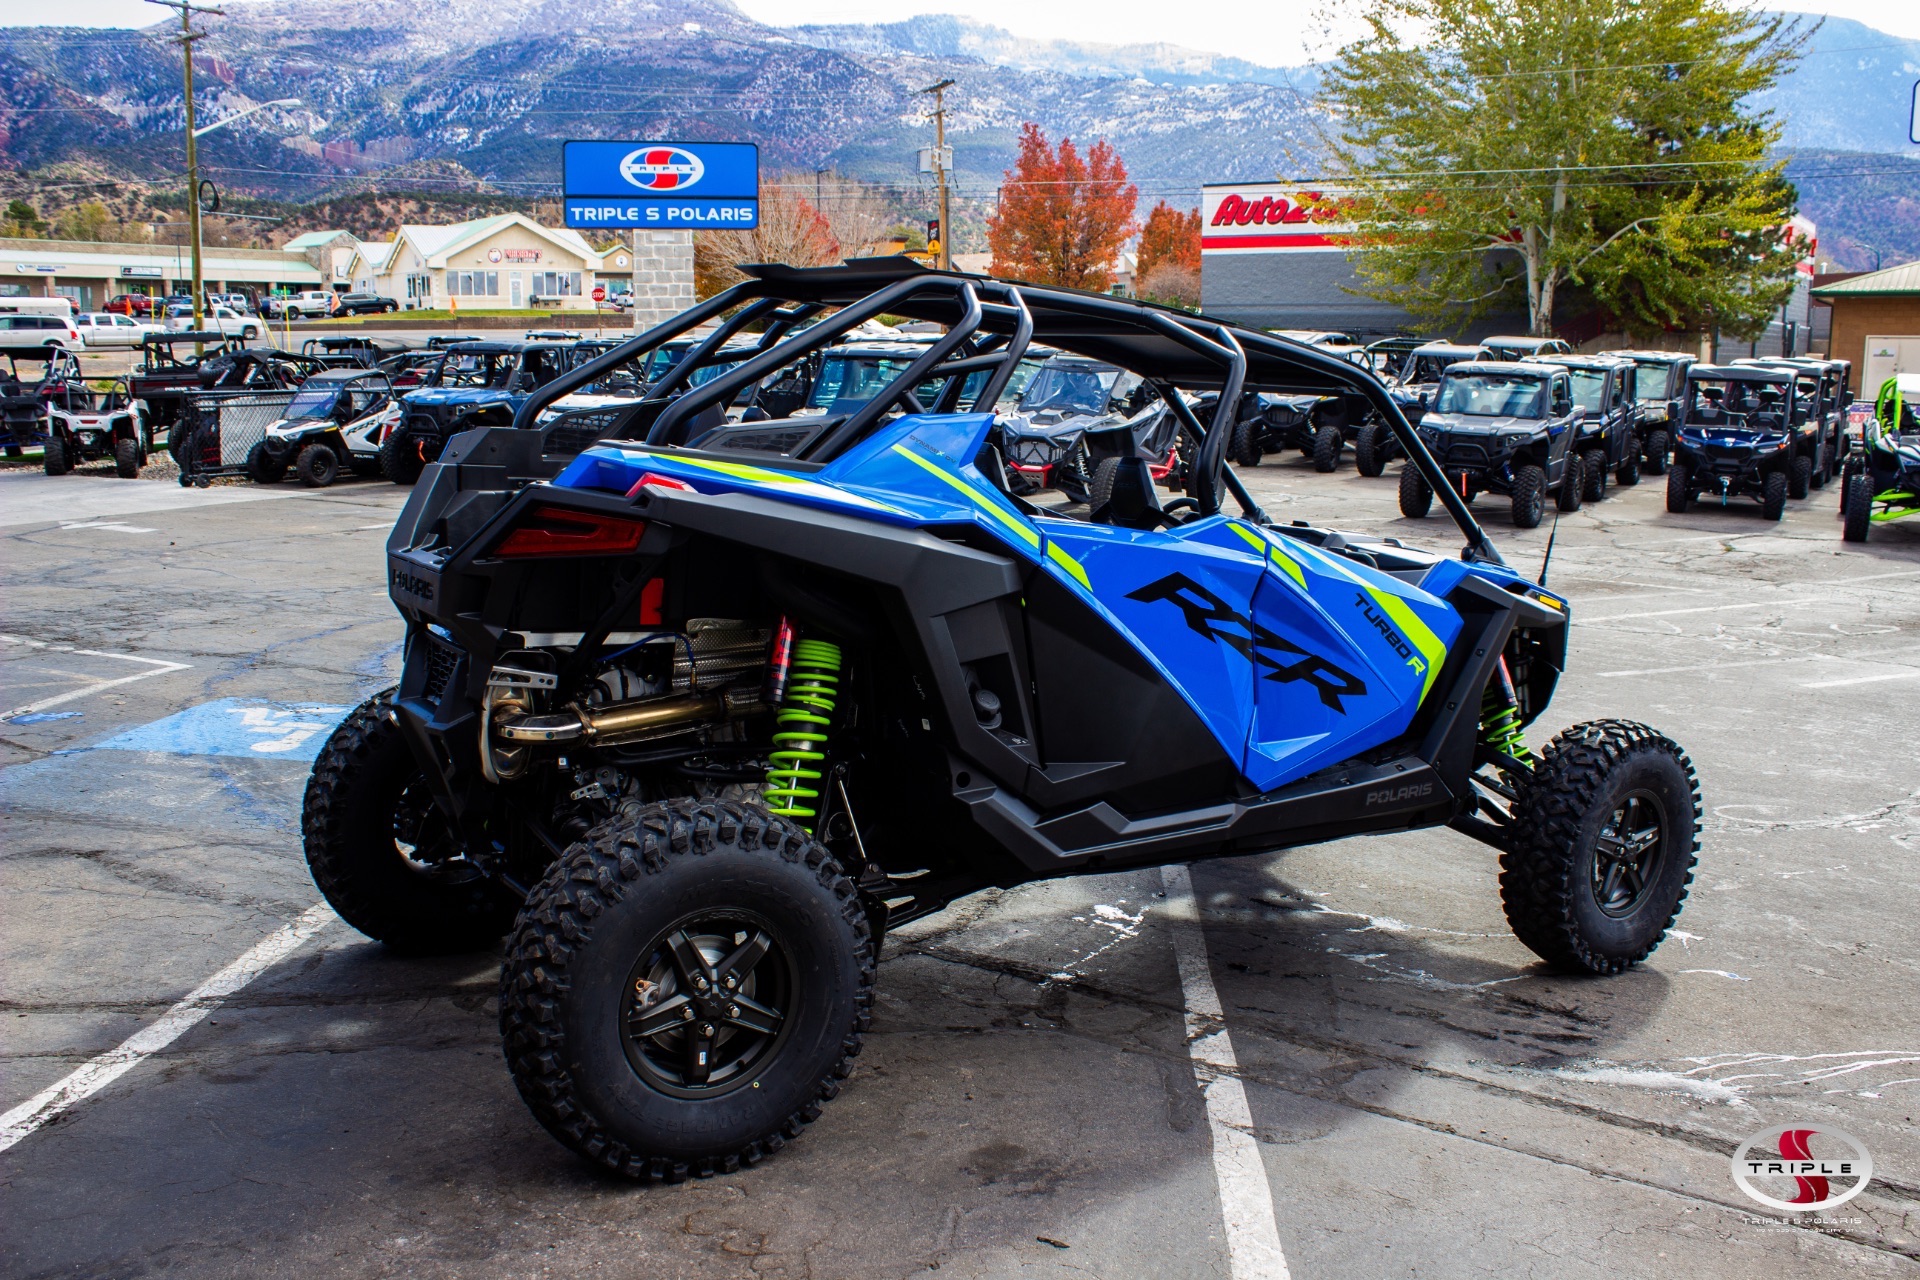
(1881, 483)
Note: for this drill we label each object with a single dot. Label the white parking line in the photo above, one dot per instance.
(1705, 608)
(202, 1000)
(160, 668)
(1246, 1201)
(1837, 684)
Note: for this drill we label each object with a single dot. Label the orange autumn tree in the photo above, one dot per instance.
(1167, 263)
(1063, 218)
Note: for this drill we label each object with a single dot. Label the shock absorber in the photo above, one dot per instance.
(1500, 727)
(800, 737)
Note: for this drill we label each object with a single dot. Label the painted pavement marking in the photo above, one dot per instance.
(160, 668)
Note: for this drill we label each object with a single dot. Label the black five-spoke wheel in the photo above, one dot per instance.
(1628, 853)
(707, 1004)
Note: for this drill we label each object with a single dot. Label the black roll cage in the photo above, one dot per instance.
(1214, 355)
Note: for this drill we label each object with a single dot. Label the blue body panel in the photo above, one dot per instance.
(1293, 657)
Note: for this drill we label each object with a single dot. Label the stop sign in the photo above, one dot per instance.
(599, 293)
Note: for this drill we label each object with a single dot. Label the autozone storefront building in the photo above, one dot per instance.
(1274, 256)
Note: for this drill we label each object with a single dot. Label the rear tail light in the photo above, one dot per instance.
(559, 531)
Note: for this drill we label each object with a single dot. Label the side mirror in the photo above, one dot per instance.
(1426, 400)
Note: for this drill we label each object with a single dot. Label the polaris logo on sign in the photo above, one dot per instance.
(668, 185)
(662, 168)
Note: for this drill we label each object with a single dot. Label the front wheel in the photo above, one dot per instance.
(1327, 444)
(1628, 474)
(382, 852)
(317, 465)
(400, 458)
(1601, 849)
(1416, 495)
(1858, 512)
(1595, 467)
(1572, 483)
(1677, 493)
(1245, 444)
(262, 467)
(1658, 446)
(250, 334)
(1369, 452)
(685, 988)
(54, 457)
(1773, 495)
(1529, 497)
(126, 458)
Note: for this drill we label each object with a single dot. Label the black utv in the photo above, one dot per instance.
(1819, 417)
(1659, 386)
(1412, 374)
(1502, 427)
(1737, 438)
(1315, 425)
(1608, 442)
(695, 723)
(478, 384)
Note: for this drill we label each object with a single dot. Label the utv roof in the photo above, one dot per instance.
(345, 375)
(484, 347)
(1468, 349)
(1740, 373)
(1651, 357)
(1532, 368)
(1517, 341)
(1602, 361)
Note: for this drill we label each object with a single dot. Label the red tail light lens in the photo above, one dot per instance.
(557, 531)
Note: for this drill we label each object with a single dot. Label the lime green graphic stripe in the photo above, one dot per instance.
(1058, 555)
(976, 497)
(1418, 633)
(1273, 553)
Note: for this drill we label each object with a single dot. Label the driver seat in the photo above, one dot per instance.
(1132, 502)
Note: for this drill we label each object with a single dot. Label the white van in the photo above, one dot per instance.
(55, 306)
(28, 331)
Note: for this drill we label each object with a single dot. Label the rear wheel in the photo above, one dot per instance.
(1773, 495)
(381, 851)
(1369, 452)
(1858, 512)
(1628, 473)
(1529, 497)
(263, 467)
(1658, 445)
(317, 465)
(1572, 483)
(1416, 495)
(126, 458)
(54, 457)
(1602, 846)
(1245, 444)
(685, 988)
(1677, 495)
(400, 457)
(1800, 477)
(1327, 444)
(1595, 466)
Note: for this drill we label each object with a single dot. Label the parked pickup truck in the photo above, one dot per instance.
(297, 306)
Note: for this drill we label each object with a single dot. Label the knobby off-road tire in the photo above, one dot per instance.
(400, 457)
(317, 466)
(1529, 501)
(603, 943)
(53, 458)
(1572, 483)
(1327, 444)
(1678, 495)
(262, 468)
(1658, 446)
(1602, 846)
(1594, 468)
(1773, 495)
(379, 848)
(1100, 492)
(1369, 450)
(1245, 443)
(1416, 495)
(1800, 477)
(1628, 473)
(126, 459)
(1857, 514)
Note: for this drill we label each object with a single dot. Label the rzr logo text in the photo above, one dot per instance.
(1215, 619)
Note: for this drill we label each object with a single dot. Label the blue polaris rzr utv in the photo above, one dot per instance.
(697, 719)
(478, 384)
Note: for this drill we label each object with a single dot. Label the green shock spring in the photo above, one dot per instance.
(793, 788)
(1500, 726)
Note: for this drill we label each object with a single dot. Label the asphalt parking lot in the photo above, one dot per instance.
(1425, 1099)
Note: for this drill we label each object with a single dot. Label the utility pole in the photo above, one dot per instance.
(186, 40)
(940, 168)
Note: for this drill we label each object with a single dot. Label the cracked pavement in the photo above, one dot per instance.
(1427, 1099)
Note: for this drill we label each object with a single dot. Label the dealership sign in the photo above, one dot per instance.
(1274, 217)
(665, 186)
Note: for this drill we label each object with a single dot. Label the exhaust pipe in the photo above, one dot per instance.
(623, 722)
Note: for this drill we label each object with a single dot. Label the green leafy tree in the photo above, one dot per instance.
(21, 221)
(89, 220)
(1507, 152)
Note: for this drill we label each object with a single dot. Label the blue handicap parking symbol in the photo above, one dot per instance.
(236, 727)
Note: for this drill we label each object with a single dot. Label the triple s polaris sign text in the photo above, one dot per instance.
(666, 186)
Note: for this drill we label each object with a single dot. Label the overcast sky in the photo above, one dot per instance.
(1260, 33)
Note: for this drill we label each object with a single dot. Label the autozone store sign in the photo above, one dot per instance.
(1273, 217)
